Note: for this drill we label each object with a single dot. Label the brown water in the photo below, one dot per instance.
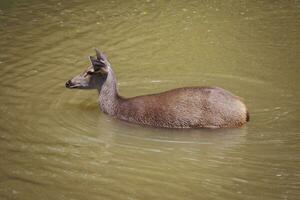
(56, 144)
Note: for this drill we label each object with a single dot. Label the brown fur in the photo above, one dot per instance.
(192, 107)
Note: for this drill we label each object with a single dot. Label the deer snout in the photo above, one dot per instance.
(68, 84)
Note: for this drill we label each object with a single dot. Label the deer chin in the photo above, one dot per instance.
(73, 87)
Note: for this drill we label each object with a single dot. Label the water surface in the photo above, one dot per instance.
(56, 144)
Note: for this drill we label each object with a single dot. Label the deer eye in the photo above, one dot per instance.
(88, 73)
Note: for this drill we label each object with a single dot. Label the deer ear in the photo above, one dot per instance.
(98, 54)
(94, 62)
(101, 56)
(98, 65)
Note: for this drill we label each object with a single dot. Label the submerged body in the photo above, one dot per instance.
(191, 107)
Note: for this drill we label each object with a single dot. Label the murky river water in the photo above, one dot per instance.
(56, 144)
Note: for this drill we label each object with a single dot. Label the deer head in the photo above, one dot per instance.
(94, 76)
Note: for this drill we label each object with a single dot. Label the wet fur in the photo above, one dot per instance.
(192, 107)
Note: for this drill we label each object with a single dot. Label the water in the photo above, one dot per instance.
(56, 144)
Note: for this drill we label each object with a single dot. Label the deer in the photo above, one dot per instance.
(187, 107)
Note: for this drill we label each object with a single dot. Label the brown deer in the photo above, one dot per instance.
(189, 107)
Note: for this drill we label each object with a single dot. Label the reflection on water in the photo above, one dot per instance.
(56, 144)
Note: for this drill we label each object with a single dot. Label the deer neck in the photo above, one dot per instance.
(108, 94)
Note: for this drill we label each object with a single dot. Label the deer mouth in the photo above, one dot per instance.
(70, 85)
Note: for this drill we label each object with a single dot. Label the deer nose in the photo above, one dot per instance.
(68, 83)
